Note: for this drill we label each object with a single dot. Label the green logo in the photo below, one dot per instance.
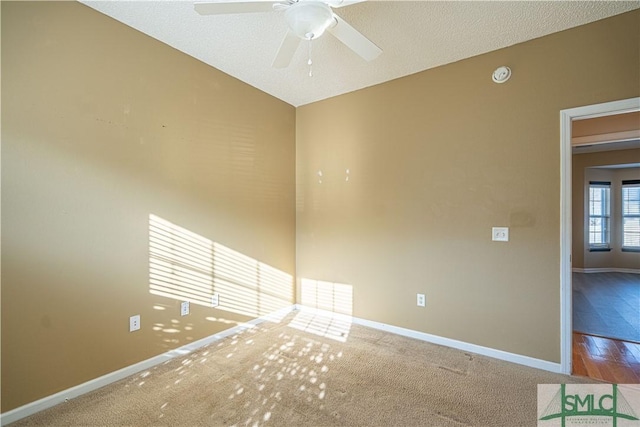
(587, 405)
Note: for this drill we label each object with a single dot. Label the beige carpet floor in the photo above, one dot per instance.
(312, 371)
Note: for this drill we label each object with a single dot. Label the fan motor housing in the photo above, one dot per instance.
(309, 19)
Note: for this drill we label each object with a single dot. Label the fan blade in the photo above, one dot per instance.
(221, 7)
(287, 48)
(354, 39)
(342, 3)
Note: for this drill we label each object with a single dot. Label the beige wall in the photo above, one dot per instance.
(606, 124)
(583, 172)
(101, 127)
(438, 158)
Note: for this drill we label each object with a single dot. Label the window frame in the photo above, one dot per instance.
(634, 183)
(605, 217)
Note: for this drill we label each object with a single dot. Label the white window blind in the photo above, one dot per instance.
(631, 214)
(599, 214)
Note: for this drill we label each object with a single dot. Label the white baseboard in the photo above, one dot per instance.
(465, 346)
(606, 270)
(73, 392)
(448, 342)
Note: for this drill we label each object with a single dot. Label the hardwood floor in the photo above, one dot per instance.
(607, 305)
(606, 359)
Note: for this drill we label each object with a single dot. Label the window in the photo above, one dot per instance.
(599, 215)
(631, 215)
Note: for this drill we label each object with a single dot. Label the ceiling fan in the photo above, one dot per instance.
(307, 20)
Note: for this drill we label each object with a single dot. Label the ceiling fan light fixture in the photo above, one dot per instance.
(309, 19)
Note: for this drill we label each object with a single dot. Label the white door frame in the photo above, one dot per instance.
(566, 116)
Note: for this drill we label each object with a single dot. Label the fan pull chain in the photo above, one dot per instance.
(310, 62)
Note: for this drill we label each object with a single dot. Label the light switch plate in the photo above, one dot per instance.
(215, 300)
(500, 234)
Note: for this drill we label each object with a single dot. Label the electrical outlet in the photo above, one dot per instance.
(421, 300)
(134, 323)
(500, 234)
(215, 300)
(184, 308)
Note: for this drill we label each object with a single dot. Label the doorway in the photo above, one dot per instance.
(605, 261)
(566, 119)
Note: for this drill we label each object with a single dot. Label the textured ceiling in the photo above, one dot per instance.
(414, 36)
